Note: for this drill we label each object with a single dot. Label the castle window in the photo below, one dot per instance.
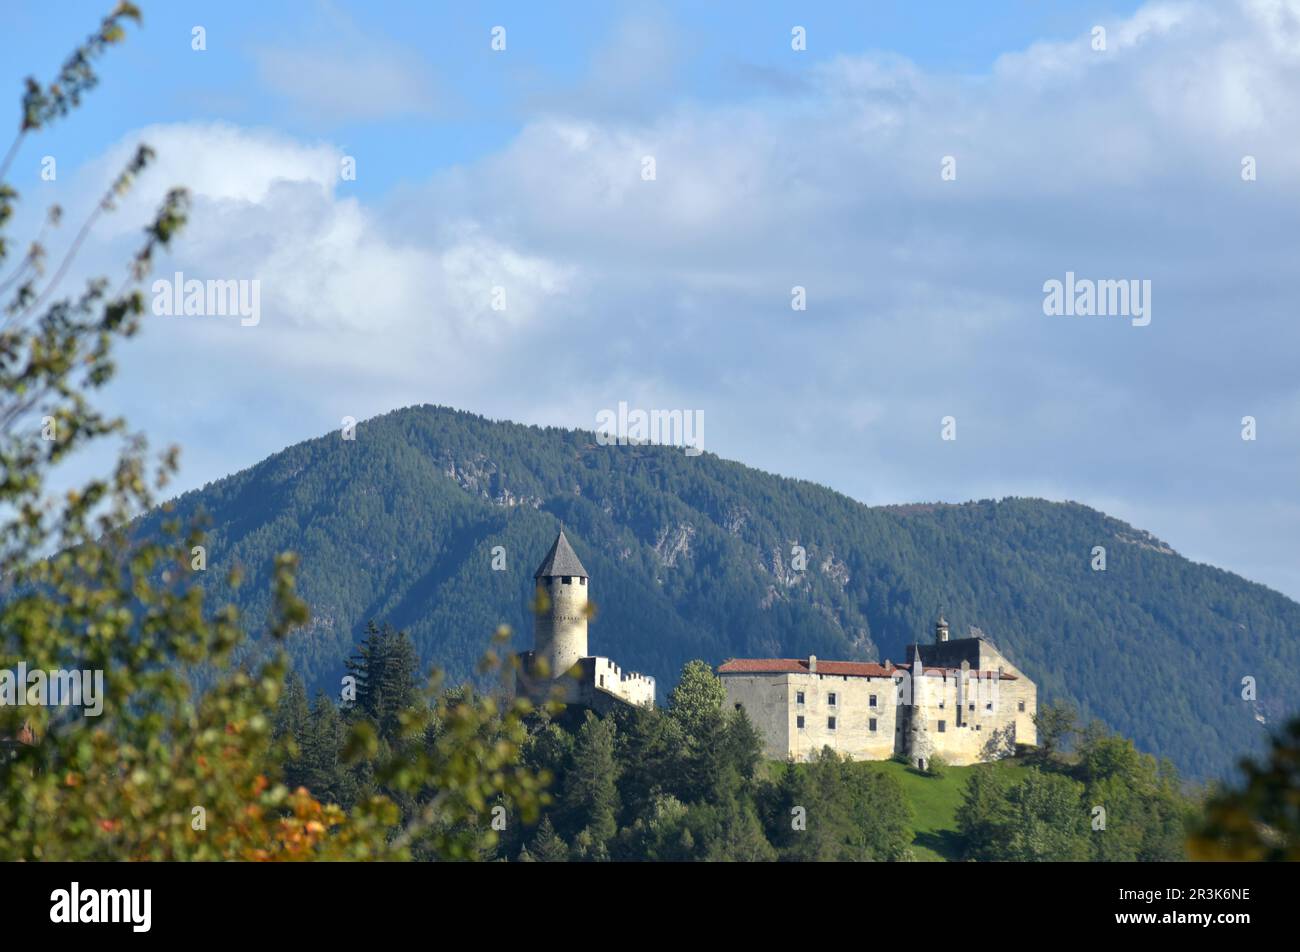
(581, 580)
(871, 724)
(972, 705)
(873, 700)
(943, 726)
(830, 723)
(568, 580)
(798, 722)
(988, 706)
(831, 699)
(798, 697)
(602, 680)
(1022, 707)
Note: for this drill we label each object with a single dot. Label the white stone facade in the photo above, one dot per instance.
(869, 711)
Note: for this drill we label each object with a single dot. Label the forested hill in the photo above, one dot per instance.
(691, 557)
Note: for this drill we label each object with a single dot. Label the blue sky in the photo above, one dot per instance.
(480, 99)
(521, 169)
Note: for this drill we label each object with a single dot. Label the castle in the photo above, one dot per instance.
(959, 699)
(559, 667)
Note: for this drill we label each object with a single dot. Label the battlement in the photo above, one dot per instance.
(631, 686)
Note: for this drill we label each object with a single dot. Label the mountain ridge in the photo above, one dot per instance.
(694, 557)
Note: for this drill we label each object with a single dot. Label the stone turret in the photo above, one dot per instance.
(560, 629)
(920, 746)
(940, 630)
(918, 672)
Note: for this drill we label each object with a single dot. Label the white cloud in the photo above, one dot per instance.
(924, 295)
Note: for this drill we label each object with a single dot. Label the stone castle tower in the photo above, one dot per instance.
(559, 662)
(560, 629)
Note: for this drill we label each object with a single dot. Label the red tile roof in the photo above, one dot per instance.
(855, 669)
(852, 669)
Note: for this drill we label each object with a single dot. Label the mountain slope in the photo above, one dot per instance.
(692, 557)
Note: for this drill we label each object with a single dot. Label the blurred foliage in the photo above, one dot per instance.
(169, 770)
(1261, 820)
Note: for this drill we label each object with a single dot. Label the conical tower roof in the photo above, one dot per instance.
(561, 560)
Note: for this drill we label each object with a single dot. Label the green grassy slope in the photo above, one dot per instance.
(935, 801)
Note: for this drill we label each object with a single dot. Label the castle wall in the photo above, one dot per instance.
(597, 683)
(766, 699)
(973, 720)
(535, 682)
(630, 686)
(1022, 701)
(799, 729)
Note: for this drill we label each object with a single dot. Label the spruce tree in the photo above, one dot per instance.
(292, 712)
(786, 813)
(319, 768)
(547, 845)
(386, 671)
(289, 726)
(591, 791)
